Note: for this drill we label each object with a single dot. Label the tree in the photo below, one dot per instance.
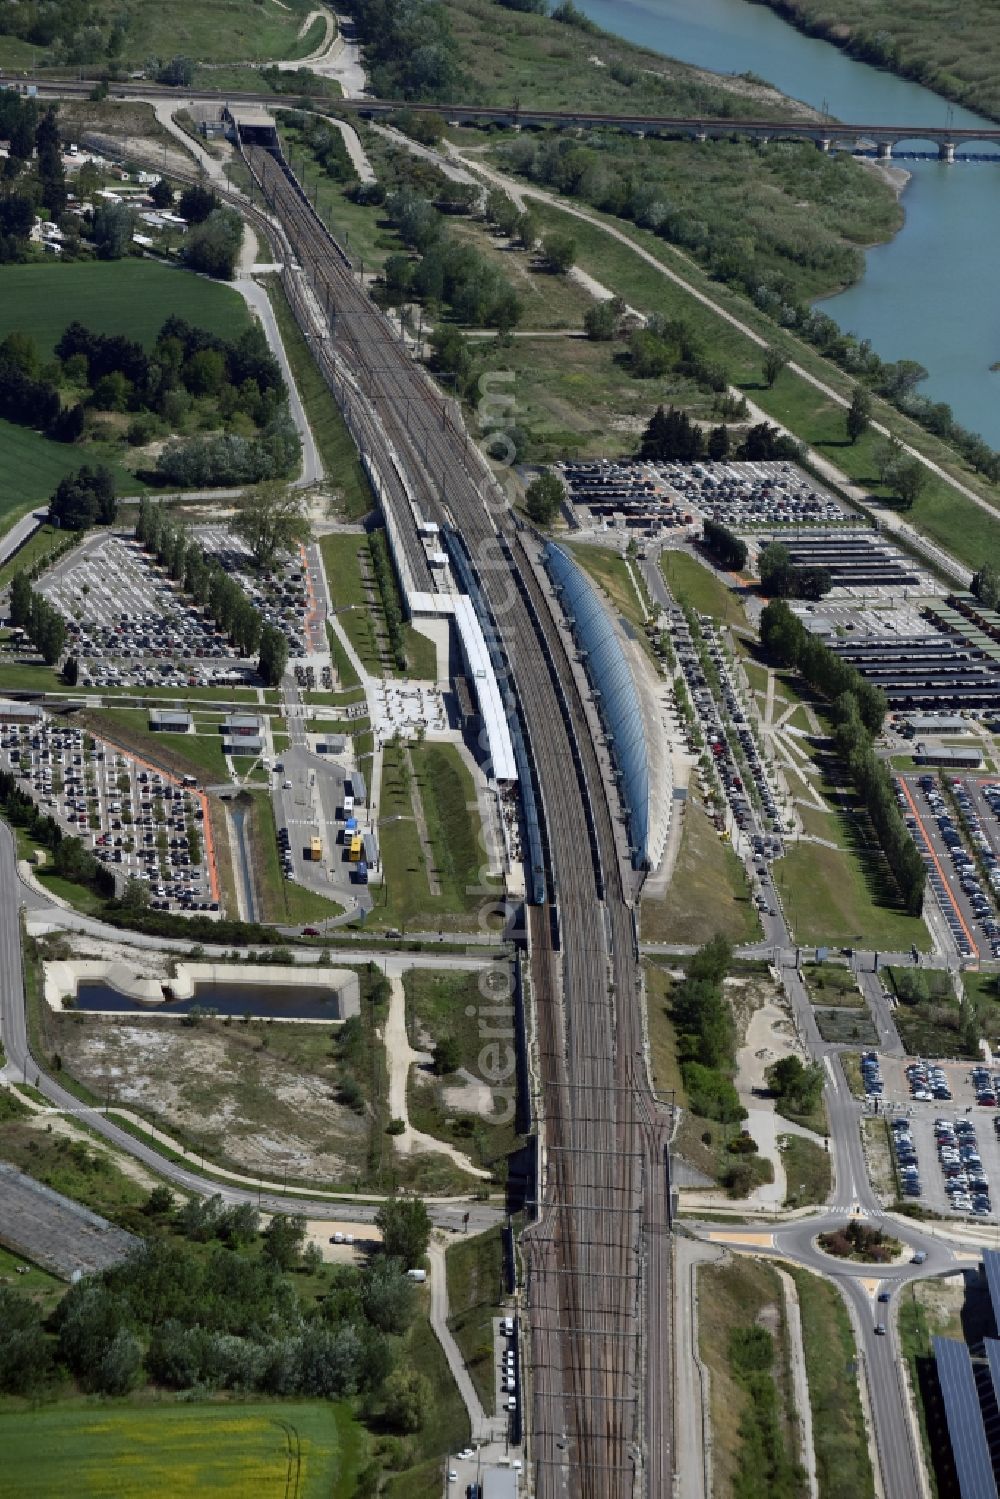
(20, 601)
(985, 585)
(447, 1056)
(909, 481)
(406, 1229)
(25, 1351)
(859, 413)
(271, 520)
(543, 498)
(407, 1399)
(796, 1084)
(284, 1237)
(558, 253)
(775, 567)
(178, 72)
(388, 1298)
(774, 363)
(135, 897)
(273, 659)
(601, 321)
(162, 193)
(196, 203)
(214, 246)
(718, 444)
(159, 1203)
(112, 230)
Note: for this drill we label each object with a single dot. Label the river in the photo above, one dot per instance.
(929, 294)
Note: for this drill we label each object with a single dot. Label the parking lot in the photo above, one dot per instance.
(128, 624)
(727, 725)
(282, 596)
(943, 820)
(650, 498)
(954, 1143)
(858, 561)
(142, 823)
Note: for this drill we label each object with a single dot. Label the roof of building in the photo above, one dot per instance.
(170, 715)
(611, 676)
(932, 723)
(949, 754)
(243, 744)
(482, 678)
(964, 1415)
(249, 721)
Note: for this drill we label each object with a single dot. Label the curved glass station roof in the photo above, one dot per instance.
(611, 676)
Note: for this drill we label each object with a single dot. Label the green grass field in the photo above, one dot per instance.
(692, 583)
(707, 894)
(612, 573)
(133, 297)
(311, 1450)
(829, 896)
(197, 754)
(32, 466)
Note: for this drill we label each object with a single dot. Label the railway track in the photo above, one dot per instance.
(597, 1256)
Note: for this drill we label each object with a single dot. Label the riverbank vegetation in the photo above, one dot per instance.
(947, 48)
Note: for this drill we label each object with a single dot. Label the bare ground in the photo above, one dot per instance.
(252, 1107)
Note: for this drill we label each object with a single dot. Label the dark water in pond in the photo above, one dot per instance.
(262, 1001)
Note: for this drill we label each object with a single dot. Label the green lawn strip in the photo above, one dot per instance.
(197, 754)
(438, 1007)
(344, 470)
(38, 546)
(692, 583)
(33, 466)
(612, 573)
(454, 827)
(341, 553)
(828, 897)
(421, 655)
(843, 1463)
(475, 1295)
(808, 1176)
(119, 1450)
(222, 697)
(733, 1298)
(21, 676)
(346, 674)
(708, 892)
(942, 512)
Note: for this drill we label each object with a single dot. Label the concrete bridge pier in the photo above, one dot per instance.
(885, 150)
(823, 143)
(946, 151)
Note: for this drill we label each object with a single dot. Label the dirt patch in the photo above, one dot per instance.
(256, 1101)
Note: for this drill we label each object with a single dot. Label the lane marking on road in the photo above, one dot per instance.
(759, 1241)
(871, 1285)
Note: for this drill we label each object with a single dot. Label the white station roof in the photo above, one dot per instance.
(482, 678)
